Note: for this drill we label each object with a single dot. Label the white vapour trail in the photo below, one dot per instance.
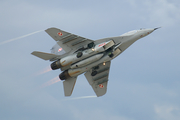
(7, 41)
(80, 98)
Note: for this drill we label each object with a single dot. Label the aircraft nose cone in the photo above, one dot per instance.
(157, 28)
(146, 32)
(150, 30)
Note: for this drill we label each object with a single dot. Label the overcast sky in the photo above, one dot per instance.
(143, 82)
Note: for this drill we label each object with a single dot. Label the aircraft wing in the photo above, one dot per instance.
(67, 40)
(100, 80)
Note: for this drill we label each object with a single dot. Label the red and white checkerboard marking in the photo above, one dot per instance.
(101, 86)
(59, 49)
(60, 33)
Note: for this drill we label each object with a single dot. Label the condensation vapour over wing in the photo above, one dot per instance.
(11, 40)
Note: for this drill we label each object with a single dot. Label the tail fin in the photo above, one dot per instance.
(56, 49)
(44, 56)
(69, 86)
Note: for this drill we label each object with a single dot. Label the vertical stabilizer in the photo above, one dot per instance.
(56, 49)
(69, 86)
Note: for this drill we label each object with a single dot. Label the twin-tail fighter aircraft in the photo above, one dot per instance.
(75, 55)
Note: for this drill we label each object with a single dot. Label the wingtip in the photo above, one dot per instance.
(33, 52)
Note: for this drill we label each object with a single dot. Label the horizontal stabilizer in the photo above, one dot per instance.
(44, 56)
(69, 86)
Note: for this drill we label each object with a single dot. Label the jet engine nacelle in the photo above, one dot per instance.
(87, 61)
(70, 73)
(62, 62)
(64, 75)
(68, 60)
(56, 65)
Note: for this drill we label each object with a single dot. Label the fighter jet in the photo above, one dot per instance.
(75, 55)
